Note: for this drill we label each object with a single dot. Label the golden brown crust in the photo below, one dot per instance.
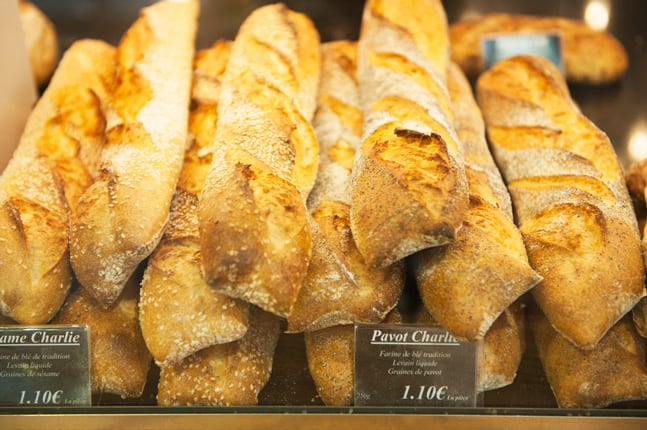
(612, 372)
(409, 190)
(570, 198)
(120, 218)
(51, 166)
(501, 351)
(119, 359)
(330, 353)
(179, 313)
(230, 374)
(467, 284)
(255, 239)
(639, 315)
(339, 287)
(636, 177)
(41, 40)
(331, 360)
(590, 56)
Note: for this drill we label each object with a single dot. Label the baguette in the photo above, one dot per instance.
(409, 190)
(331, 360)
(613, 371)
(50, 168)
(179, 313)
(468, 283)
(636, 177)
(499, 353)
(590, 56)
(120, 219)
(229, 374)
(570, 198)
(119, 359)
(254, 234)
(339, 287)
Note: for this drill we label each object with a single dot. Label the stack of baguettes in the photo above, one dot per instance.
(580, 231)
(386, 134)
(55, 161)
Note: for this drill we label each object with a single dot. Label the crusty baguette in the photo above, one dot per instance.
(502, 348)
(340, 288)
(254, 234)
(636, 177)
(330, 354)
(179, 313)
(51, 166)
(590, 56)
(120, 219)
(570, 198)
(331, 360)
(409, 190)
(119, 359)
(41, 40)
(467, 284)
(499, 353)
(229, 374)
(613, 371)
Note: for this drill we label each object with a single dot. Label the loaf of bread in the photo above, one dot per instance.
(499, 353)
(468, 283)
(119, 359)
(254, 234)
(501, 350)
(636, 177)
(179, 313)
(613, 371)
(120, 219)
(229, 374)
(41, 40)
(331, 360)
(590, 56)
(53, 164)
(409, 190)
(570, 198)
(340, 288)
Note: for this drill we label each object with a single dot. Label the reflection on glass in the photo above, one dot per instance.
(637, 141)
(596, 14)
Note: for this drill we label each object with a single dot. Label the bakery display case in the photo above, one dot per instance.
(277, 361)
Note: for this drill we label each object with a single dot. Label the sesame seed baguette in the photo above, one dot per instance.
(229, 374)
(119, 359)
(339, 288)
(409, 190)
(590, 56)
(178, 312)
(467, 284)
(570, 198)
(120, 219)
(51, 166)
(255, 239)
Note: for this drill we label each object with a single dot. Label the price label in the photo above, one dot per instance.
(44, 366)
(500, 46)
(398, 365)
